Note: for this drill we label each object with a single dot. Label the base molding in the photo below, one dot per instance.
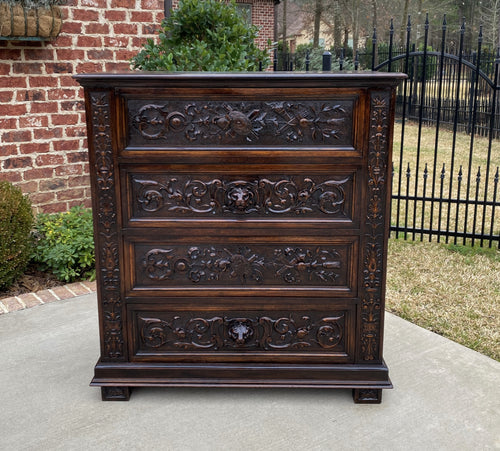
(367, 381)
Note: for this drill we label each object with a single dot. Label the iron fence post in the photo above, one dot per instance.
(327, 61)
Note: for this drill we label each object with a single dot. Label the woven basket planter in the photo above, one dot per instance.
(19, 22)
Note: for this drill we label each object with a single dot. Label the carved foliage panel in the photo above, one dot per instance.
(374, 235)
(242, 265)
(273, 196)
(230, 123)
(240, 331)
(107, 249)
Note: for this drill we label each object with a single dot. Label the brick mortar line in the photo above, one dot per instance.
(70, 290)
(90, 290)
(57, 298)
(38, 297)
(4, 309)
(18, 299)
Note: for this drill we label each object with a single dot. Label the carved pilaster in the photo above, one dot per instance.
(373, 246)
(107, 227)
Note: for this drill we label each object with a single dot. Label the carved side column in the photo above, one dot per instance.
(374, 233)
(105, 206)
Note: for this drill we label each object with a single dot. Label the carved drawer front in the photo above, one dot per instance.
(181, 123)
(225, 334)
(224, 263)
(164, 196)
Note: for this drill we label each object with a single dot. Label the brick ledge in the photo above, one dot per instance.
(29, 300)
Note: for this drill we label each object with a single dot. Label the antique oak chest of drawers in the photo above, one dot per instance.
(241, 228)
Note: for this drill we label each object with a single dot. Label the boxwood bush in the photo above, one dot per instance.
(207, 35)
(16, 221)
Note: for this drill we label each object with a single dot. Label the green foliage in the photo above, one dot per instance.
(207, 35)
(65, 244)
(16, 221)
(431, 65)
(316, 59)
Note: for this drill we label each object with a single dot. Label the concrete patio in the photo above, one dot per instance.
(446, 397)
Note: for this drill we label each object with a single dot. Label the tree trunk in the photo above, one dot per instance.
(374, 25)
(374, 21)
(355, 26)
(346, 37)
(337, 25)
(284, 30)
(318, 9)
(404, 21)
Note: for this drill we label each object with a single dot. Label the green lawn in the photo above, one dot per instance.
(451, 290)
(460, 218)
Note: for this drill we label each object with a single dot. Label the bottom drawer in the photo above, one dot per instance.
(220, 335)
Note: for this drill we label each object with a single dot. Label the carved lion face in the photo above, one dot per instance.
(240, 330)
(241, 197)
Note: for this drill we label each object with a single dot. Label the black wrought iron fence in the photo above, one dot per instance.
(447, 134)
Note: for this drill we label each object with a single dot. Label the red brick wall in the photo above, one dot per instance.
(43, 146)
(263, 17)
(42, 122)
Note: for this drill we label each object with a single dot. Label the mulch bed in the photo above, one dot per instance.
(31, 281)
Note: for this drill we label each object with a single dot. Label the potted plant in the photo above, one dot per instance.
(30, 19)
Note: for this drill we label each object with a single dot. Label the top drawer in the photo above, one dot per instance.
(241, 121)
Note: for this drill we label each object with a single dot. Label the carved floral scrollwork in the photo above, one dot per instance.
(296, 265)
(107, 227)
(205, 264)
(264, 333)
(177, 196)
(300, 119)
(373, 248)
(221, 122)
(286, 333)
(196, 333)
(182, 195)
(243, 265)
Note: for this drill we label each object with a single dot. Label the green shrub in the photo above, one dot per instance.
(207, 35)
(16, 221)
(316, 59)
(65, 244)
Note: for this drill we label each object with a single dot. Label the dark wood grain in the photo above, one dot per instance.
(241, 225)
